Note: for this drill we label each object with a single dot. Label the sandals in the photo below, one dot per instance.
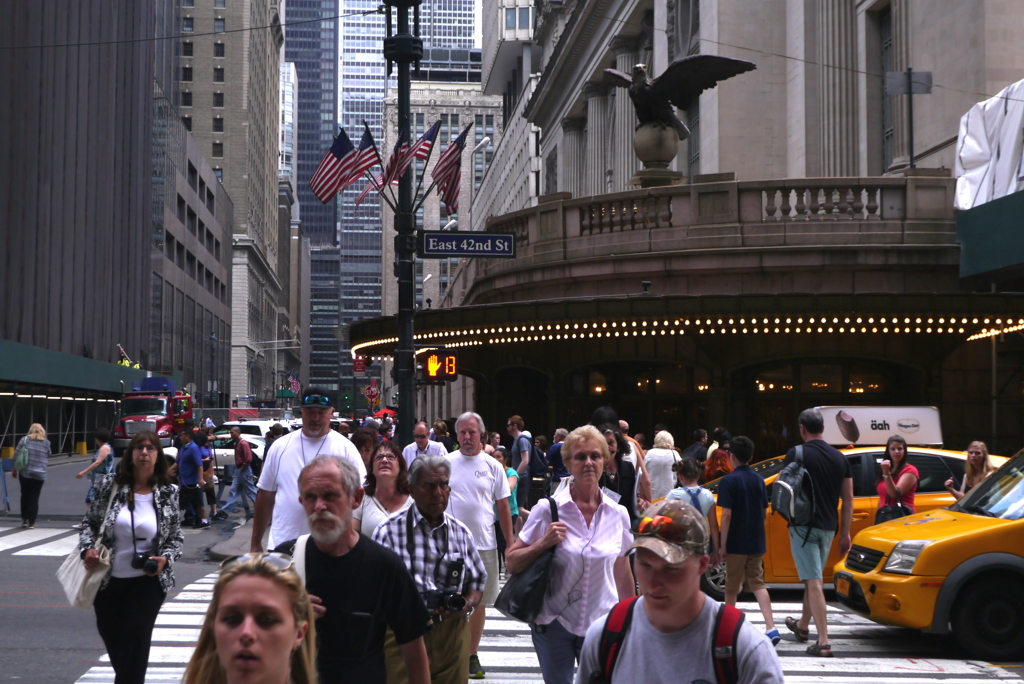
(822, 651)
(801, 634)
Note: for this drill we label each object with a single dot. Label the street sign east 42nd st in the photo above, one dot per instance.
(442, 244)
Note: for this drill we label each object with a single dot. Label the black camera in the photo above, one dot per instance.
(142, 561)
(449, 596)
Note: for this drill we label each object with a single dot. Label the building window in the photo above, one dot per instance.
(219, 173)
(524, 17)
(187, 48)
(218, 4)
(187, 25)
(218, 124)
(510, 19)
(218, 150)
(693, 142)
(186, 74)
(888, 64)
(218, 25)
(218, 74)
(187, 120)
(218, 49)
(218, 99)
(186, 99)
(188, 3)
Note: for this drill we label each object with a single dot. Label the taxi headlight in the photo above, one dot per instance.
(904, 556)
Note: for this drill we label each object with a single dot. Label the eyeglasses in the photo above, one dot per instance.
(385, 456)
(664, 528)
(508, 424)
(280, 561)
(419, 436)
(316, 400)
(148, 448)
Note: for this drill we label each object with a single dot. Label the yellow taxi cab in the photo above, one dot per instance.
(934, 465)
(958, 569)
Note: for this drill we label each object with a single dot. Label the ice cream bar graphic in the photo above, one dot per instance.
(848, 427)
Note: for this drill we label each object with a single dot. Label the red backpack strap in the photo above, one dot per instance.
(723, 648)
(612, 638)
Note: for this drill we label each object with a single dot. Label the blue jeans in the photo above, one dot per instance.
(558, 651)
(242, 489)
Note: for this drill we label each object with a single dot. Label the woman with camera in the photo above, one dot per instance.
(590, 570)
(143, 535)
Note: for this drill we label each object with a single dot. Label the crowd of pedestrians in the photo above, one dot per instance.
(383, 557)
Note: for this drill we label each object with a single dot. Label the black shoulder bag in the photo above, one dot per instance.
(522, 597)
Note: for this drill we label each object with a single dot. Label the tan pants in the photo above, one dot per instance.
(447, 650)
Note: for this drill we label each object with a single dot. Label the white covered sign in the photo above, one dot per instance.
(873, 425)
(989, 149)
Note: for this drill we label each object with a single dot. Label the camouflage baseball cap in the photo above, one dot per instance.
(672, 529)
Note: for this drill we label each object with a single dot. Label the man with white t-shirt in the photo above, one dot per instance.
(478, 483)
(421, 445)
(285, 459)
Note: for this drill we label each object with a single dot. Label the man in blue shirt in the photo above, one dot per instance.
(743, 498)
(190, 478)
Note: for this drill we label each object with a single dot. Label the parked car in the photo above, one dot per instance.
(935, 466)
(957, 569)
(224, 451)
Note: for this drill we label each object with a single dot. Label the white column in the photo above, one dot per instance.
(623, 162)
(597, 137)
(838, 87)
(570, 157)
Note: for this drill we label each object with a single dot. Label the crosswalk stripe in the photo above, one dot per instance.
(59, 547)
(867, 653)
(25, 537)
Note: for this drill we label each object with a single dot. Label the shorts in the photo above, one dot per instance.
(810, 557)
(490, 559)
(190, 494)
(743, 571)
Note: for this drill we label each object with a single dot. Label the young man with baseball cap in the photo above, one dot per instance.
(672, 633)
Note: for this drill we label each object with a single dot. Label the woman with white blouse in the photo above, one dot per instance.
(386, 491)
(590, 571)
(659, 463)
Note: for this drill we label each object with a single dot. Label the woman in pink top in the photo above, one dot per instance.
(899, 478)
(590, 571)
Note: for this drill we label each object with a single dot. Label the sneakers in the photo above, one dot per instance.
(78, 526)
(24, 523)
(476, 671)
(774, 636)
(220, 516)
(204, 525)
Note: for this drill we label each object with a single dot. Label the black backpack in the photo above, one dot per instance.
(793, 493)
(538, 462)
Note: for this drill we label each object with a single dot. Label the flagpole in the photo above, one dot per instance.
(426, 162)
(380, 160)
(373, 182)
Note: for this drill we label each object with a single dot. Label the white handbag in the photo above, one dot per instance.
(81, 585)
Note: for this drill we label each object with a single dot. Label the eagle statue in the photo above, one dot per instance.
(681, 82)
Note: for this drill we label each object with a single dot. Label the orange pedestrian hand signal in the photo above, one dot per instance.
(442, 365)
(433, 365)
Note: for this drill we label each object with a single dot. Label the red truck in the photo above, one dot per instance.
(157, 406)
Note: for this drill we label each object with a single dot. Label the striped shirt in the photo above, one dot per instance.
(432, 551)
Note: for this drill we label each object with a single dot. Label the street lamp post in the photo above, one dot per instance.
(403, 48)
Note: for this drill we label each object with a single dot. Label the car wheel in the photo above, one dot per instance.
(989, 619)
(712, 582)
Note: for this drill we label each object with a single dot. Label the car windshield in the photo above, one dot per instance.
(134, 406)
(1001, 495)
(763, 468)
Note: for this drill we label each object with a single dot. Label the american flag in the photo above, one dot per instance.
(366, 157)
(376, 184)
(334, 168)
(393, 172)
(448, 172)
(293, 383)
(421, 149)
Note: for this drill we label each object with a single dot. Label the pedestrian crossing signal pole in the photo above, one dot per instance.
(402, 49)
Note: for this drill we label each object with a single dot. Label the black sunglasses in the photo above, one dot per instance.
(316, 400)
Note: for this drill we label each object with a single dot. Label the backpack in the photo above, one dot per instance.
(793, 493)
(538, 462)
(728, 621)
(21, 455)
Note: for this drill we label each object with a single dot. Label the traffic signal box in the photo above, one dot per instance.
(439, 365)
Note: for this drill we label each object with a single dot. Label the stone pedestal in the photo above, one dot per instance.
(656, 145)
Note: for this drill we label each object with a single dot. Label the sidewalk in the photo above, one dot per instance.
(237, 545)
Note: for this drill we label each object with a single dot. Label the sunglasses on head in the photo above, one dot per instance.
(662, 527)
(316, 400)
(280, 561)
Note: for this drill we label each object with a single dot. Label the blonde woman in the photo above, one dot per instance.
(659, 463)
(978, 467)
(258, 628)
(34, 474)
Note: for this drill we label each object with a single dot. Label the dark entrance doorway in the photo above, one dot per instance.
(521, 392)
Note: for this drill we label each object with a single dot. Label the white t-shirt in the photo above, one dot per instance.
(370, 513)
(286, 458)
(412, 451)
(145, 533)
(659, 466)
(648, 655)
(477, 483)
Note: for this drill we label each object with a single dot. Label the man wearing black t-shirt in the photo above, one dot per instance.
(358, 587)
(832, 478)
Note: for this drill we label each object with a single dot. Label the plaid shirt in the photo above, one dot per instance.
(433, 550)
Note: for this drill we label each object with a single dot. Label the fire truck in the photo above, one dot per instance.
(157, 405)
